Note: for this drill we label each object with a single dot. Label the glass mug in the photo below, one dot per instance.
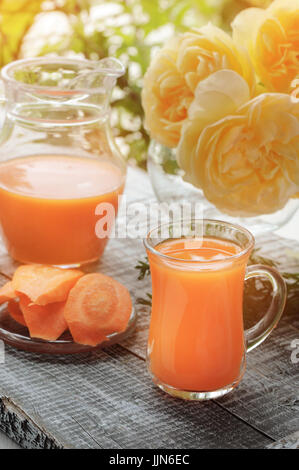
(197, 345)
(58, 158)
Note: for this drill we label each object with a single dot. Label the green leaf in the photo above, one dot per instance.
(143, 268)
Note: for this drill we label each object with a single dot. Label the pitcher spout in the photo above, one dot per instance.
(98, 75)
(109, 66)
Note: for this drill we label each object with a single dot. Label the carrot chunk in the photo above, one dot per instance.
(7, 292)
(44, 284)
(94, 309)
(45, 322)
(124, 307)
(15, 312)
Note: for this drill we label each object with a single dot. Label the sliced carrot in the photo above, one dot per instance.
(91, 310)
(7, 292)
(15, 312)
(124, 307)
(83, 334)
(45, 322)
(44, 284)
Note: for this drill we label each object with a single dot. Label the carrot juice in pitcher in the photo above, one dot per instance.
(58, 159)
(47, 207)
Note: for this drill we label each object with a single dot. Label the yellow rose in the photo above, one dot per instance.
(172, 77)
(272, 39)
(244, 155)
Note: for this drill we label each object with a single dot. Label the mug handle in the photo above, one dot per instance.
(261, 330)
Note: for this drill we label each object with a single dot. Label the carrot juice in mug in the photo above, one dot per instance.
(47, 207)
(196, 345)
(195, 309)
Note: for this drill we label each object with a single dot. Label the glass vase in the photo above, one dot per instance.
(169, 186)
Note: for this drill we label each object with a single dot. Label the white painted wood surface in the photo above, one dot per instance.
(7, 443)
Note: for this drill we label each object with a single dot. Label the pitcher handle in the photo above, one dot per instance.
(2, 96)
(3, 100)
(261, 330)
(3, 113)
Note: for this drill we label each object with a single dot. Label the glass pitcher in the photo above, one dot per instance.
(58, 159)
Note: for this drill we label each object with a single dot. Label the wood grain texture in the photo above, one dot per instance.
(268, 396)
(288, 442)
(106, 399)
(18, 426)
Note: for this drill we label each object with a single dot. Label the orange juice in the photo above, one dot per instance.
(196, 339)
(47, 207)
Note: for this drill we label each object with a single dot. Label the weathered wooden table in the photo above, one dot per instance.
(106, 399)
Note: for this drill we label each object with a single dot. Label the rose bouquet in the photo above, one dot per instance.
(229, 105)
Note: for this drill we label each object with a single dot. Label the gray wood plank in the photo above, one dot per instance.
(268, 396)
(19, 427)
(107, 400)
